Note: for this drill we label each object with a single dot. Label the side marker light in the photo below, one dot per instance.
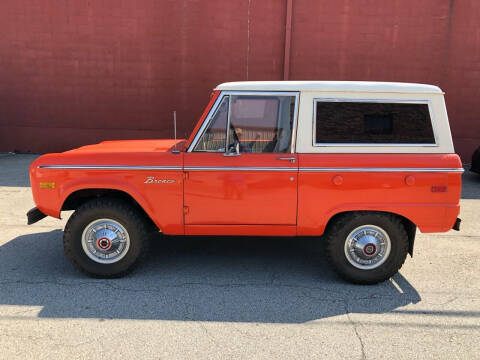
(438, 188)
(47, 185)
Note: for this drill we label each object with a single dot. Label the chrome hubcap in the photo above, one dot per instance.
(105, 241)
(367, 247)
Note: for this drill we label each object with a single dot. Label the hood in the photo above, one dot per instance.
(124, 152)
(129, 146)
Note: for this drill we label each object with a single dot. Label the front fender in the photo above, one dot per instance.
(106, 182)
(162, 202)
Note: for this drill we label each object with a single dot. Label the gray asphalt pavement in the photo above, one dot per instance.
(232, 298)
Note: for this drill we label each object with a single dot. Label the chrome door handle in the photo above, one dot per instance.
(291, 159)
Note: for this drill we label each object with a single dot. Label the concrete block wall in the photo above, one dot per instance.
(79, 72)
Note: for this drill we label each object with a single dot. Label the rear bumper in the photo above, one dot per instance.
(34, 215)
(456, 226)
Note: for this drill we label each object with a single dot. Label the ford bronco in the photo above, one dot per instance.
(360, 165)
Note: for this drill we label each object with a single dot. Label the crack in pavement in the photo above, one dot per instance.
(354, 325)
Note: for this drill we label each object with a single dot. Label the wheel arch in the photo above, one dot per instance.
(409, 225)
(80, 196)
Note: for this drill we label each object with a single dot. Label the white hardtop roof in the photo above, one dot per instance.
(330, 86)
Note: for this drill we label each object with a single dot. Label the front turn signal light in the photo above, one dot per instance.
(47, 185)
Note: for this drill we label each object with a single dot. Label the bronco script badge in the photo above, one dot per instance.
(153, 180)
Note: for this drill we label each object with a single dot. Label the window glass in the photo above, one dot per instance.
(261, 123)
(372, 122)
(214, 137)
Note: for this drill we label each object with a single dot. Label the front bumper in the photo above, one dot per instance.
(34, 215)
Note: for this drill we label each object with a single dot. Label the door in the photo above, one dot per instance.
(241, 169)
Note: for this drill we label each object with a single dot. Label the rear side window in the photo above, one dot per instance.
(364, 122)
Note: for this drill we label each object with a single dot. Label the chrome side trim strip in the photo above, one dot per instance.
(316, 169)
(109, 167)
(331, 169)
(250, 168)
(239, 168)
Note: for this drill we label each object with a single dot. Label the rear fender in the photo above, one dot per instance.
(427, 217)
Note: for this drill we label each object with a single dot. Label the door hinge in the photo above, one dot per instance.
(185, 175)
(186, 210)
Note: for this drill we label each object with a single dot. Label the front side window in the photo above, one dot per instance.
(251, 124)
(356, 122)
(214, 137)
(261, 123)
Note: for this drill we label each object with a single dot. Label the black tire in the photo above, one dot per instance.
(137, 227)
(343, 225)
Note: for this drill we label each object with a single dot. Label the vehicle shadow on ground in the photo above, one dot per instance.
(199, 279)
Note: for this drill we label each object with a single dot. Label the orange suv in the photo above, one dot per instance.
(360, 165)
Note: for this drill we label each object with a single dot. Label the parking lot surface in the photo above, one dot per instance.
(235, 298)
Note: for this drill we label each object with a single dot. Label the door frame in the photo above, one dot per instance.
(265, 230)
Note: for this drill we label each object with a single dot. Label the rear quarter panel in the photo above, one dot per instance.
(323, 194)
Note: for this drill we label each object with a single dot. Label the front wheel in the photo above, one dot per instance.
(367, 248)
(105, 238)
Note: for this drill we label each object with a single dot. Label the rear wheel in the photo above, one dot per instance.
(106, 238)
(367, 247)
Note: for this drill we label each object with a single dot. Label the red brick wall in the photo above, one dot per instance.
(74, 72)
